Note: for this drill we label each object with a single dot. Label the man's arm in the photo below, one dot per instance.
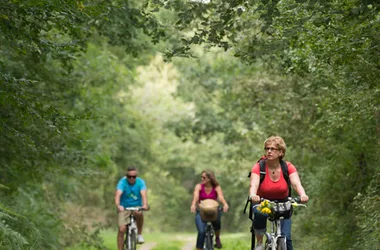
(117, 200)
(144, 197)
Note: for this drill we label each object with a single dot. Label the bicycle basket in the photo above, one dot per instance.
(208, 210)
(282, 210)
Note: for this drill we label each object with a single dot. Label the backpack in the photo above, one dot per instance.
(262, 161)
(284, 168)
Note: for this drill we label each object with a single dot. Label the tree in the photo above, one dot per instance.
(41, 40)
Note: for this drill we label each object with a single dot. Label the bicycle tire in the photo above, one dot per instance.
(133, 240)
(209, 244)
(281, 244)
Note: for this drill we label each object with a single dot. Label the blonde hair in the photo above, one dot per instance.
(279, 142)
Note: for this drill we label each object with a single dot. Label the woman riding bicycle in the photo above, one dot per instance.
(274, 187)
(209, 188)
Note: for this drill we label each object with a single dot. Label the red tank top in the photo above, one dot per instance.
(203, 195)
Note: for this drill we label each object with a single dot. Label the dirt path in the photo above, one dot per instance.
(147, 246)
(190, 243)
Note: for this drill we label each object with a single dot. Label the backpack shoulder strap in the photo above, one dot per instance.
(262, 170)
(285, 172)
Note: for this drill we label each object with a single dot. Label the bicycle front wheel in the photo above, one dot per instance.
(133, 240)
(209, 242)
(281, 244)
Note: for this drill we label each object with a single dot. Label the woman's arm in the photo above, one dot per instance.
(193, 206)
(219, 191)
(254, 186)
(297, 186)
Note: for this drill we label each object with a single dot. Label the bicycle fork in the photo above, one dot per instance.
(272, 238)
(209, 237)
(131, 232)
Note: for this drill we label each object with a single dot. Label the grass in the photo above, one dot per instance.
(167, 241)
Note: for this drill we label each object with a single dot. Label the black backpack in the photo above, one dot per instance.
(284, 168)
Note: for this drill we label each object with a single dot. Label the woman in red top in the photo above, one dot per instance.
(209, 188)
(274, 187)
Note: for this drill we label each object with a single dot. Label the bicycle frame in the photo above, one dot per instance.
(131, 234)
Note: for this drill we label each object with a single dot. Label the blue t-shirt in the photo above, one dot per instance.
(131, 196)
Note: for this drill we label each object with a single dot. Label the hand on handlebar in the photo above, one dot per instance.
(193, 209)
(225, 208)
(255, 198)
(304, 198)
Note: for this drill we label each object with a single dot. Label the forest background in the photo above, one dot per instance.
(89, 88)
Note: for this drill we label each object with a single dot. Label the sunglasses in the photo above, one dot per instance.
(203, 177)
(131, 176)
(271, 149)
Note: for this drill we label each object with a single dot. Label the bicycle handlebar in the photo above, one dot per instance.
(135, 209)
(293, 200)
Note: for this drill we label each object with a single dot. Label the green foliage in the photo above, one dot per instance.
(367, 207)
(10, 238)
(41, 119)
(83, 95)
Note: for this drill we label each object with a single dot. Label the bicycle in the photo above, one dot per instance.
(130, 240)
(209, 233)
(280, 210)
(209, 239)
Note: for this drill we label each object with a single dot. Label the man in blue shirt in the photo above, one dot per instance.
(130, 192)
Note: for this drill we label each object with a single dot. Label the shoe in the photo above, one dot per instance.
(218, 244)
(140, 239)
(259, 247)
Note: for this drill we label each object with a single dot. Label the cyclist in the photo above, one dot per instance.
(209, 188)
(130, 192)
(274, 187)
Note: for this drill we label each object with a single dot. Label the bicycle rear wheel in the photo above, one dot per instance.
(281, 244)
